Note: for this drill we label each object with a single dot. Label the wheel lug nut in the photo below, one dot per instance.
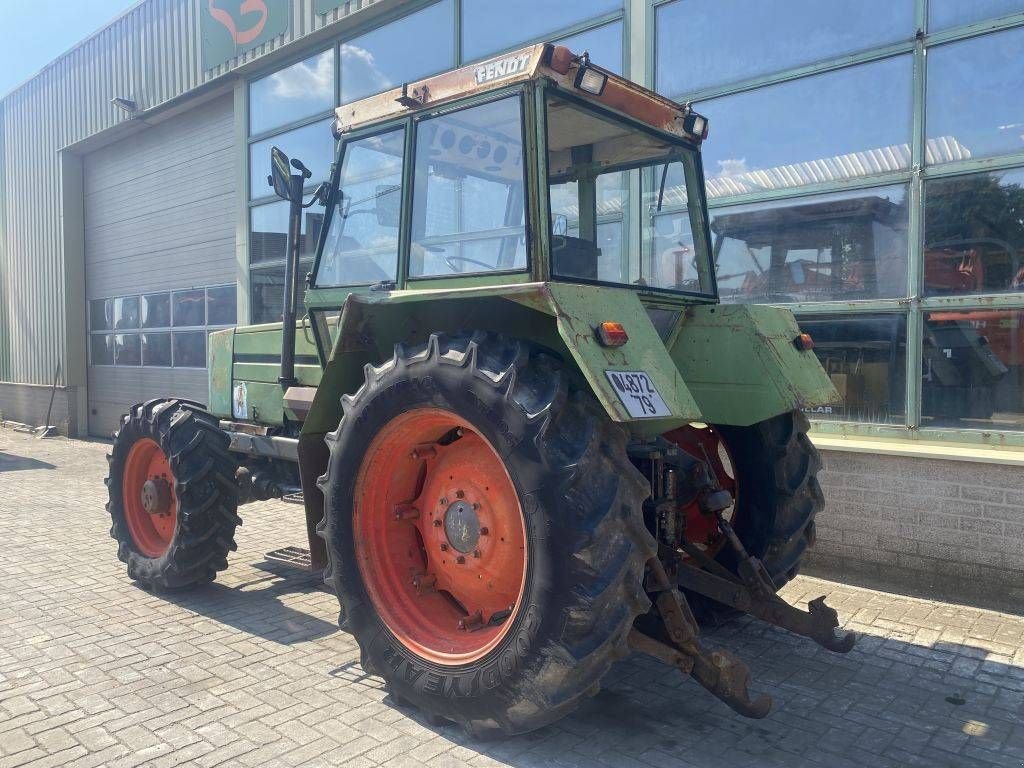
(444, 547)
(460, 494)
(476, 506)
(436, 523)
(484, 530)
(471, 622)
(460, 560)
(444, 501)
(476, 553)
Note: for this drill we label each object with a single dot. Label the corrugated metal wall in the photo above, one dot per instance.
(151, 55)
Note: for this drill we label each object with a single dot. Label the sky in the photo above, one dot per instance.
(38, 31)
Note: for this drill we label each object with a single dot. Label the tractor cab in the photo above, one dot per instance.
(538, 165)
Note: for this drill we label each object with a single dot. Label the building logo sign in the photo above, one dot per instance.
(500, 68)
(231, 27)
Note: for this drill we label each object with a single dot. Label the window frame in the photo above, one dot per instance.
(915, 305)
(632, 238)
(408, 195)
(169, 329)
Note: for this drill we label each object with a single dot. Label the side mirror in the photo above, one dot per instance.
(280, 174)
(389, 205)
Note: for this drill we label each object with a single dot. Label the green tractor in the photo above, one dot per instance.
(527, 437)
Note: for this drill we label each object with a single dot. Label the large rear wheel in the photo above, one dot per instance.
(485, 532)
(771, 470)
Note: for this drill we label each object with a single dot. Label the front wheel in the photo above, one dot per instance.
(172, 496)
(485, 533)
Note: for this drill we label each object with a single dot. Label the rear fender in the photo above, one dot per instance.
(559, 316)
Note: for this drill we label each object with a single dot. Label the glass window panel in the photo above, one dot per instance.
(312, 144)
(973, 369)
(266, 293)
(102, 348)
(189, 308)
(604, 45)
(156, 310)
(851, 245)
(974, 233)
(126, 312)
(221, 305)
(950, 13)
(762, 37)
(156, 349)
(361, 246)
(488, 26)
(974, 104)
(833, 126)
(865, 357)
(414, 46)
(101, 314)
(189, 349)
(469, 212)
(268, 236)
(295, 92)
(127, 349)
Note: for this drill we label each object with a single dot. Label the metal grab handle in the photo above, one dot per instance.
(305, 333)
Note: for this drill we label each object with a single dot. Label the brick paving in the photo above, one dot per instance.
(252, 671)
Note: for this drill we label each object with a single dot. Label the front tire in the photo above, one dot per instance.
(573, 489)
(172, 497)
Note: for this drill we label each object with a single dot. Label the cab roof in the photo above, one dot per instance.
(535, 62)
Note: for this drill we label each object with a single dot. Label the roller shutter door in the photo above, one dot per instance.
(160, 217)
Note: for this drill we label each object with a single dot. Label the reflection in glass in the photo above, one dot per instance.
(412, 47)
(851, 245)
(156, 310)
(295, 92)
(156, 349)
(830, 127)
(127, 349)
(973, 369)
(974, 233)
(865, 357)
(950, 13)
(312, 144)
(189, 308)
(101, 314)
(765, 37)
(102, 348)
(488, 27)
(126, 312)
(266, 293)
(268, 234)
(469, 210)
(604, 45)
(974, 105)
(189, 349)
(361, 246)
(221, 305)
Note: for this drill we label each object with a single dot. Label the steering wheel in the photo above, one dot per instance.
(449, 259)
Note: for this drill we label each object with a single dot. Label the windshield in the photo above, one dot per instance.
(361, 247)
(627, 205)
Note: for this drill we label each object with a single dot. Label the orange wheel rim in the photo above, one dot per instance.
(440, 537)
(704, 442)
(147, 492)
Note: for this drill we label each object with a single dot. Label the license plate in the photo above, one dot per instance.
(638, 394)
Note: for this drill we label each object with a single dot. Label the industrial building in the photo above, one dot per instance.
(865, 167)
